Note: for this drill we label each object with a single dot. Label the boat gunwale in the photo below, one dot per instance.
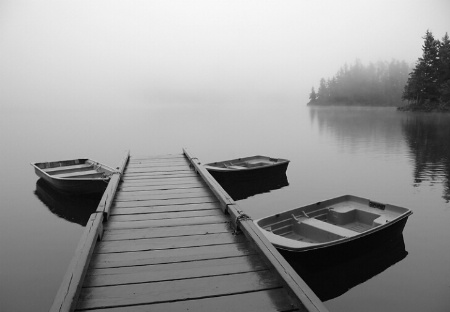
(35, 165)
(213, 166)
(336, 242)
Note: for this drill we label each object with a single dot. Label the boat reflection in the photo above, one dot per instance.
(76, 209)
(243, 189)
(331, 280)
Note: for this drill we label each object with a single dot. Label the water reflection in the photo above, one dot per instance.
(243, 189)
(74, 209)
(360, 128)
(427, 137)
(331, 280)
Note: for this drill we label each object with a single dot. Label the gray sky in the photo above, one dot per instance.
(59, 53)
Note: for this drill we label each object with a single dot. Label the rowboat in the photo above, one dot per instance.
(247, 168)
(339, 225)
(76, 176)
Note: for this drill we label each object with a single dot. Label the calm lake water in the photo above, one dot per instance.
(378, 153)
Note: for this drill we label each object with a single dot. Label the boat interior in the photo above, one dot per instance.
(246, 163)
(322, 222)
(74, 169)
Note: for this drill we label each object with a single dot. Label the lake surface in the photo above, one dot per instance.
(378, 153)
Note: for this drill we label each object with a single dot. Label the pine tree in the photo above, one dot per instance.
(322, 93)
(422, 86)
(430, 62)
(312, 95)
(444, 72)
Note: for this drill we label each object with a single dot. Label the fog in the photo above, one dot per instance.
(107, 53)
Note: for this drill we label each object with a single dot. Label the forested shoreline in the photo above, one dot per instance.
(379, 84)
(426, 87)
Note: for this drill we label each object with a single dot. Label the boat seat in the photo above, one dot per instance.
(328, 227)
(77, 174)
(235, 167)
(72, 167)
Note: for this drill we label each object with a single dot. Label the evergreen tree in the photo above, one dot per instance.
(312, 95)
(430, 62)
(422, 86)
(444, 71)
(322, 93)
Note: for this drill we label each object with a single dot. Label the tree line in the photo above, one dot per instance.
(428, 86)
(379, 84)
(425, 87)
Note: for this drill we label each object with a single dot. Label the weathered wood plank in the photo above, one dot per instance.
(166, 202)
(165, 195)
(138, 158)
(183, 230)
(158, 209)
(159, 176)
(113, 184)
(165, 215)
(173, 271)
(165, 189)
(261, 301)
(70, 288)
(158, 173)
(154, 186)
(171, 181)
(146, 169)
(157, 165)
(113, 296)
(166, 222)
(111, 260)
(169, 243)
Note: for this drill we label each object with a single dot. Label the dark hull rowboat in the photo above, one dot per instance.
(334, 227)
(247, 168)
(76, 176)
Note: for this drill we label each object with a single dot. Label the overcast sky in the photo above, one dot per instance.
(92, 52)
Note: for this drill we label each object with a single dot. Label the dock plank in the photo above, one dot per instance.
(165, 194)
(165, 215)
(261, 301)
(169, 291)
(169, 243)
(174, 271)
(165, 208)
(166, 222)
(111, 260)
(166, 202)
(183, 230)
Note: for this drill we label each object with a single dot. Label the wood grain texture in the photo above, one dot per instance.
(165, 215)
(111, 260)
(258, 301)
(165, 208)
(183, 230)
(169, 291)
(174, 271)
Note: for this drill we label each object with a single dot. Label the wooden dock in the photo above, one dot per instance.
(167, 237)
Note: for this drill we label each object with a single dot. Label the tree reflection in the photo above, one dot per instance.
(427, 137)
